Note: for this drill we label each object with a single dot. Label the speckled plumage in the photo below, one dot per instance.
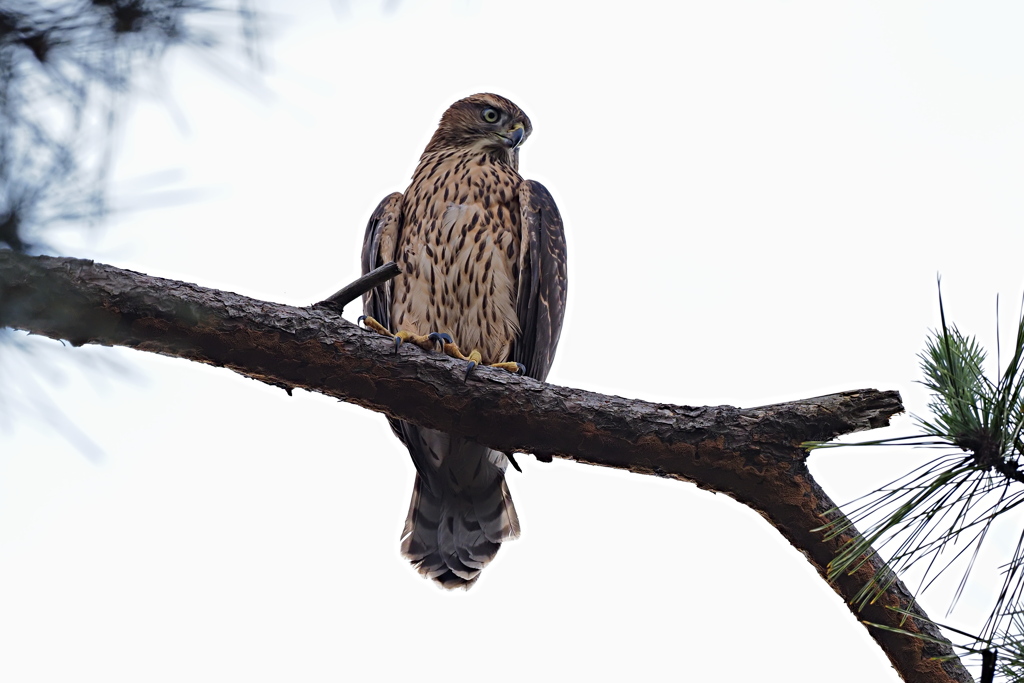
(460, 253)
(482, 254)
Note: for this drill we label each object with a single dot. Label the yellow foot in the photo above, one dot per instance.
(427, 342)
(475, 358)
(517, 368)
(375, 326)
(452, 350)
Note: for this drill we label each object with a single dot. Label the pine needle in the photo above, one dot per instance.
(940, 514)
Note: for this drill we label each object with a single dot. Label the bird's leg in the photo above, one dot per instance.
(474, 358)
(427, 342)
(374, 325)
(517, 368)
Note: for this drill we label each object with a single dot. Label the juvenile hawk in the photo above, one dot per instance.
(482, 254)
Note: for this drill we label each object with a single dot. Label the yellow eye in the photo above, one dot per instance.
(490, 115)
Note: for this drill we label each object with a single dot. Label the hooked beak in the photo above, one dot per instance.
(514, 137)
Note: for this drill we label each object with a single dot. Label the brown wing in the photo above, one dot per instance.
(540, 305)
(379, 245)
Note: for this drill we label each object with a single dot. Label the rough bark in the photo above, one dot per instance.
(751, 454)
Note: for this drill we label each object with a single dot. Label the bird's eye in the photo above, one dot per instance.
(490, 115)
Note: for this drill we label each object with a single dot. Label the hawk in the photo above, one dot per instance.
(482, 255)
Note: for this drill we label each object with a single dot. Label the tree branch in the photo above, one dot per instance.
(751, 454)
(349, 293)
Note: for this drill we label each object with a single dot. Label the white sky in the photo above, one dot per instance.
(757, 197)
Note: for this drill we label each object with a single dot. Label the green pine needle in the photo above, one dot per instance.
(1011, 650)
(947, 506)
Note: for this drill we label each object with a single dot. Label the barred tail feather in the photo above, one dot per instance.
(450, 536)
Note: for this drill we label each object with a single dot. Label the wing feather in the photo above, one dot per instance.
(379, 244)
(541, 291)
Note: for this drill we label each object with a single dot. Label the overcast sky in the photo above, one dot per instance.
(758, 197)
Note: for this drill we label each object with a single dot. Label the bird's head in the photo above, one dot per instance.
(485, 123)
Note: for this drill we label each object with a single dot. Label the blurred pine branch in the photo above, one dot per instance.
(65, 67)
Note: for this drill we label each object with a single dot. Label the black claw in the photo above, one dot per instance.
(521, 371)
(472, 364)
(398, 342)
(360, 319)
(440, 338)
(514, 463)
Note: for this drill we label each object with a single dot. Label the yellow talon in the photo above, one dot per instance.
(376, 326)
(510, 367)
(475, 358)
(453, 351)
(427, 342)
(424, 341)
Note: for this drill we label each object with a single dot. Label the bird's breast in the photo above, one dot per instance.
(459, 253)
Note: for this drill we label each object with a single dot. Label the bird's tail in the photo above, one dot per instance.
(450, 535)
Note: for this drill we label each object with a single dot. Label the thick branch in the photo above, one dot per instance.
(750, 454)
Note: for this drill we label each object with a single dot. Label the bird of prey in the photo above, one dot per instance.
(482, 255)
